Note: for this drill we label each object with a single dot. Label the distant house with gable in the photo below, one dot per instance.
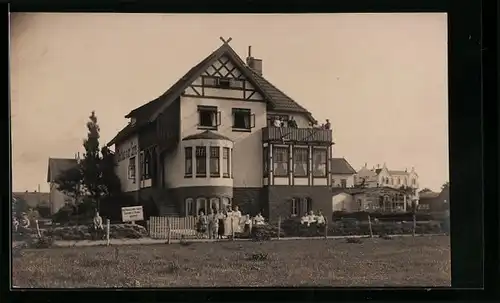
(342, 173)
(57, 198)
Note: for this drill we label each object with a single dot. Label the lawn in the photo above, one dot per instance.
(419, 261)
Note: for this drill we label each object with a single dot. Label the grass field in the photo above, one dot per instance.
(419, 261)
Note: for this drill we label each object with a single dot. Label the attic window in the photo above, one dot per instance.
(224, 83)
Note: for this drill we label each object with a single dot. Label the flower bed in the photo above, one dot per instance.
(85, 232)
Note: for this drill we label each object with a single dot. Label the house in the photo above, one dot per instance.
(369, 199)
(342, 173)
(33, 199)
(434, 201)
(57, 198)
(209, 141)
(383, 177)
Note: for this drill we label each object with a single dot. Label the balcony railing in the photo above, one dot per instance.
(300, 135)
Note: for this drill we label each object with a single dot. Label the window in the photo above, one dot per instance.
(215, 204)
(223, 83)
(188, 162)
(413, 181)
(398, 181)
(319, 162)
(190, 209)
(131, 169)
(300, 160)
(208, 117)
(265, 159)
(225, 162)
(242, 119)
(209, 81)
(280, 161)
(301, 206)
(405, 181)
(201, 205)
(214, 161)
(147, 165)
(235, 83)
(201, 161)
(295, 207)
(232, 162)
(343, 183)
(225, 203)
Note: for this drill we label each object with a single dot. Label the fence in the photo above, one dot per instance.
(172, 228)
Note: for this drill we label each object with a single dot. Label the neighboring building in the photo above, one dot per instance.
(433, 201)
(209, 141)
(56, 167)
(383, 177)
(369, 199)
(342, 173)
(33, 199)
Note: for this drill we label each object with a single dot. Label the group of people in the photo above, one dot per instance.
(279, 122)
(224, 223)
(23, 222)
(310, 218)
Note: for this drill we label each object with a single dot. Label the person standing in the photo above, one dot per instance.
(212, 224)
(327, 125)
(220, 220)
(98, 228)
(228, 226)
(236, 219)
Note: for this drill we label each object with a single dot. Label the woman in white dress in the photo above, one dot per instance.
(227, 223)
(259, 219)
(237, 220)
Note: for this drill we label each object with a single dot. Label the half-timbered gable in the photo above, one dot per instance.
(224, 79)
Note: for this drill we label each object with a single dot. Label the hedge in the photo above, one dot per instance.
(384, 216)
(86, 232)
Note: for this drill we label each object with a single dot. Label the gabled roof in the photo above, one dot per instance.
(206, 135)
(57, 166)
(428, 195)
(340, 166)
(275, 98)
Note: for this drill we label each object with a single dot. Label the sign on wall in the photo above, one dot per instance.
(132, 213)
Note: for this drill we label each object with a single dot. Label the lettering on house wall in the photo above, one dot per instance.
(126, 152)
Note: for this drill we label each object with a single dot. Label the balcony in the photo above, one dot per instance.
(299, 135)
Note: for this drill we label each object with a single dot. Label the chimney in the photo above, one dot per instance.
(253, 63)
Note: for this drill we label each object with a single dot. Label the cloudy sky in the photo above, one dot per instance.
(381, 79)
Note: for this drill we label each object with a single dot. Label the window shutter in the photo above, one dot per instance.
(219, 118)
(252, 120)
(303, 206)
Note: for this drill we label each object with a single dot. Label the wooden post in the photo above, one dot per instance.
(326, 229)
(107, 232)
(279, 227)
(232, 228)
(169, 230)
(414, 223)
(38, 229)
(370, 226)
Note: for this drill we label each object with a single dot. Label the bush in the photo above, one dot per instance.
(86, 232)
(351, 227)
(265, 232)
(381, 216)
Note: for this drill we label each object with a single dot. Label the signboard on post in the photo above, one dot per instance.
(132, 214)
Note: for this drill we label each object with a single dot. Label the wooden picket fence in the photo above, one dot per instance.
(172, 228)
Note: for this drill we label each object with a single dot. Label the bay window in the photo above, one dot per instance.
(280, 158)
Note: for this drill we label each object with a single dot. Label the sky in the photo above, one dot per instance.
(381, 79)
